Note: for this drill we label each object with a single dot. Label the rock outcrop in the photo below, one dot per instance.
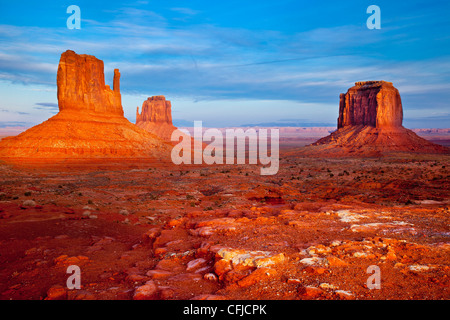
(156, 117)
(371, 103)
(370, 124)
(81, 86)
(90, 122)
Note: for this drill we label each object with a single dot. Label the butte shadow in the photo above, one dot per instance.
(370, 124)
(90, 122)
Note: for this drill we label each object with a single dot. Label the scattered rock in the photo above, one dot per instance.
(310, 292)
(29, 203)
(57, 292)
(210, 277)
(313, 261)
(124, 212)
(65, 260)
(256, 259)
(159, 274)
(333, 261)
(149, 291)
(419, 267)
(259, 275)
(195, 264)
(344, 295)
(327, 286)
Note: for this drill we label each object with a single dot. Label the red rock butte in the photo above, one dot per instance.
(90, 122)
(371, 103)
(156, 117)
(370, 124)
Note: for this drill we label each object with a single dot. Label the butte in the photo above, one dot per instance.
(370, 124)
(156, 117)
(90, 122)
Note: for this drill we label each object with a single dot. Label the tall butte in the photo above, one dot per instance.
(90, 122)
(370, 124)
(156, 117)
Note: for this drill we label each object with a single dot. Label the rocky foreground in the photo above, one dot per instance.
(143, 232)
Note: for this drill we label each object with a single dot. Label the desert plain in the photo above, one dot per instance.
(146, 230)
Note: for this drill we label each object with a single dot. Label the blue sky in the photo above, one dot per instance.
(230, 63)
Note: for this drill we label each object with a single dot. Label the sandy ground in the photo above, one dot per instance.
(140, 230)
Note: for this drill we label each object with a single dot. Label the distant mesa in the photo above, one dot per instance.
(370, 124)
(90, 121)
(156, 117)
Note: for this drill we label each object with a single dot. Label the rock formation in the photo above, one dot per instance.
(371, 103)
(81, 86)
(90, 122)
(370, 124)
(156, 117)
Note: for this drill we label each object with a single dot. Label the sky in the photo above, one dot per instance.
(231, 63)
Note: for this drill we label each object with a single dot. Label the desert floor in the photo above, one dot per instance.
(140, 230)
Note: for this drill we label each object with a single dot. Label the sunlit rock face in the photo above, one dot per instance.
(371, 103)
(370, 124)
(90, 121)
(81, 85)
(156, 117)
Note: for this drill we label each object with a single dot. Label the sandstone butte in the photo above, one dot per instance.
(90, 122)
(370, 124)
(156, 117)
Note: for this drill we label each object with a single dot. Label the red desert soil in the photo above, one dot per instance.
(139, 230)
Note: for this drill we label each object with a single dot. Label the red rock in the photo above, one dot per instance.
(148, 291)
(370, 124)
(310, 292)
(81, 86)
(221, 267)
(57, 292)
(155, 109)
(159, 274)
(315, 270)
(344, 295)
(333, 261)
(156, 117)
(152, 234)
(210, 277)
(159, 252)
(261, 274)
(371, 103)
(90, 122)
(294, 281)
(65, 260)
(195, 264)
